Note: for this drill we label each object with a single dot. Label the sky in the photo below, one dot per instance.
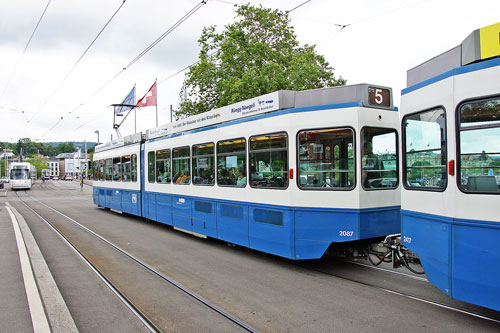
(45, 97)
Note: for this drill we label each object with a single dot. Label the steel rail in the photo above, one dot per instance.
(417, 298)
(148, 323)
(171, 281)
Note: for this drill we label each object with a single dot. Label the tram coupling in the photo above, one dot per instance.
(390, 250)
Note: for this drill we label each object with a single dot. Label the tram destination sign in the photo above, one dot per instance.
(250, 107)
(379, 96)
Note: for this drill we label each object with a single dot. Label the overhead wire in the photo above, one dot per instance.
(185, 68)
(140, 55)
(159, 39)
(302, 4)
(25, 48)
(81, 57)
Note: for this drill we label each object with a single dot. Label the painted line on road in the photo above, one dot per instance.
(56, 310)
(38, 318)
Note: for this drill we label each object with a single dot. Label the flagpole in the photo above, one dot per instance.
(135, 114)
(156, 102)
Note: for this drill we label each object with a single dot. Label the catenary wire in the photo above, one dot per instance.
(180, 71)
(79, 59)
(146, 50)
(156, 42)
(302, 4)
(25, 48)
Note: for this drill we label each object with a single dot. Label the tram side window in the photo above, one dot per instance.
(479, 139)
(231, 162)
(379, 158)
(102, 165)
(181, 165)
(117, 169)
(318, 170)
(424, 141)
(163, 166)
(126, 168)
(96, 170)
(151, 167)
(109, 169)
(269, 161)
(203, 164)
(134, 168)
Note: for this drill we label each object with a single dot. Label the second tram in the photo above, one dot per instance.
(451, 168)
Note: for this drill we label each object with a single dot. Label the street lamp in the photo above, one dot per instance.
(97, 132)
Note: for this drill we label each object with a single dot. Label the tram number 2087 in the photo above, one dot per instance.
(344, 233)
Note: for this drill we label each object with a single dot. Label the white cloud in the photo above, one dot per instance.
(385, 39)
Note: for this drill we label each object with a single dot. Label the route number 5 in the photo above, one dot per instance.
(378, 96)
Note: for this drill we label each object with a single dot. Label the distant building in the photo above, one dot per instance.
(53, 167)
(72, 164)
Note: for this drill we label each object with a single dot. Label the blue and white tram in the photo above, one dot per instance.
(117, 181)
(288, 173)
(451, 168)
(22, 175)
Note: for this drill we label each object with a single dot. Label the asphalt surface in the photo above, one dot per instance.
(269, 293)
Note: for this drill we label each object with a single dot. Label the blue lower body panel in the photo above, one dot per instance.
(460, 257)
(122, 200)
(316, 229)
(232, 223)
(290, 232)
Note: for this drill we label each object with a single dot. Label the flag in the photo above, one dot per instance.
(149, 99)
(128, 102)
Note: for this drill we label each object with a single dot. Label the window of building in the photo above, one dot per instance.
(126, 168)
(151, 167)
(181, 165)
(163, 166)
(379, 164)
(424, 143)
(479, 146)
(269, 161)
(203, 164)
(318, 170)
(231, 162)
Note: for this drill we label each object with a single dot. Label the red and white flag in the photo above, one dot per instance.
(149, 99)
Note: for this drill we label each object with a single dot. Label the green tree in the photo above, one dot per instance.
(40, 163)
(65, 147)
(257, 54)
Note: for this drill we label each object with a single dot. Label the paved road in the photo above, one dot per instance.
(269, 293)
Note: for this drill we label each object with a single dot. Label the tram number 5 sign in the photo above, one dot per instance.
(379, 96)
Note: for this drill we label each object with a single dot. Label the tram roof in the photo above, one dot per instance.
(480, 45)
(368, 94)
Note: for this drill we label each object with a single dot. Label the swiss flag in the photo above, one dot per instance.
(149, 99)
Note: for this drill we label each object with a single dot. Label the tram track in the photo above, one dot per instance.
(435, 301)
(129, 303)
(478, 312)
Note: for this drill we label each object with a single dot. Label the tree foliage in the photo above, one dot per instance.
(39, 163)
(257, 54)
(31, 148)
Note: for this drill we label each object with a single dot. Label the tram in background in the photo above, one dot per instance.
(288, 173)
(450, 197)
(45, 174)
(22, 175)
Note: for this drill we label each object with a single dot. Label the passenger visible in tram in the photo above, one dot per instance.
(371, 166)
(242, 178)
